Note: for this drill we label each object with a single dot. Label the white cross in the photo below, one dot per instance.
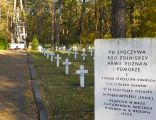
(64, 48)
(93, 48)
(40, 48)
(74, 48)
(56, 48)
(58, 60)
(51, 56)
(81, 72)
(91, 52)
(45, 52)
(67, 63)
(59, 48)
(48, 54)
(84, 56)
(75, 55)
(43, 49)
(69, 51)
(83, 50)
(89, 48)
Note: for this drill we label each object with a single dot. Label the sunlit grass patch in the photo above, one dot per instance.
(63, 96)
(71, 101)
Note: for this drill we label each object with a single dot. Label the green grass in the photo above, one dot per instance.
(3, 43)
(63, 97)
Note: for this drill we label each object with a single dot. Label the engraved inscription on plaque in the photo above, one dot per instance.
(125, 79)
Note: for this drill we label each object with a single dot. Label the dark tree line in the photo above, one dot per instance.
(82, 21)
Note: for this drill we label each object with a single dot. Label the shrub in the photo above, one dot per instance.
(3, 44)
(35, 43)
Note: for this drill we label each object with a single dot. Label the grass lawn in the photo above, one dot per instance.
(63, 97)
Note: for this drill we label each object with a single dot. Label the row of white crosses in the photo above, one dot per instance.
(75, 49)
(91, 50)
(81, 71)
(83, 53)
(45, 52)
(60, 48)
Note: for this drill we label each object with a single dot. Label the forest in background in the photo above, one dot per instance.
(80, 21)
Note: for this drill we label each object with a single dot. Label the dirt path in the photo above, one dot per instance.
(16, 97)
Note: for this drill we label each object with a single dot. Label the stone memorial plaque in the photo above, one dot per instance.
(125, 79)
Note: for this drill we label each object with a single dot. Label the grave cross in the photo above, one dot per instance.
(69, 51)
(84, 56)
(75, 55)
(45, 52)
(48, 54)
(56, 48)
(74, 48)
(40, 48)
(43, 49)
(64, 48)
(83, 50)
(89, 48)
(91, 52)
(58, 60)
(59, 48)
(93, 48)
(67, 63)
(81, 72)
(51, 56)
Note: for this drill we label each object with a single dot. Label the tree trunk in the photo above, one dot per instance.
(95, 18)
(53, 26)
(58, 26)
(131, 16)
(101, 19)
(81, 21)
(118, 19)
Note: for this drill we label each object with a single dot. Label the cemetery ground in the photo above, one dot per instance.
(16, 95)
(63, 97)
